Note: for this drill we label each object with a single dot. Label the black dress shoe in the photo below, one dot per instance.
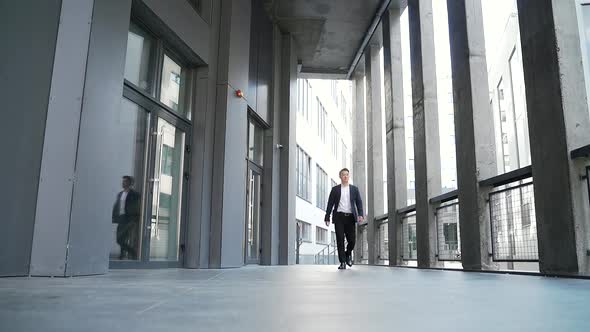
(342, 266)
(349, 260)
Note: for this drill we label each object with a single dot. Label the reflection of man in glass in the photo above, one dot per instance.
(126, 213)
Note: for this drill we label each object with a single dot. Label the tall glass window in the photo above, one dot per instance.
(172, 84)
(140, 59)
(149, 165)
(128, 180)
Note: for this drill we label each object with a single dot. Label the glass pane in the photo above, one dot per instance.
(167, 197)
(139, 58)
(127, 181)
(253, 222)
(172, 83)
(255, 143)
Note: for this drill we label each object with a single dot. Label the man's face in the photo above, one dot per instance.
(344, 176)
(126, 183)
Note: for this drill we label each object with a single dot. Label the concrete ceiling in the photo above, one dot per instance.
(327, 33)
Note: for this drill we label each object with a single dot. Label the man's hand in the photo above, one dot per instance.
(360, 218)
(327, 223)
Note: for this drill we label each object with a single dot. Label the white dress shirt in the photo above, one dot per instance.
(122, 203)
(344, 205)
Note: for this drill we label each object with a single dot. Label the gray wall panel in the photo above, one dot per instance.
(31, 42)
(264, 70)
(61, 139)
(239, 46)
(181, 17)
(90, 228)
(234, 183)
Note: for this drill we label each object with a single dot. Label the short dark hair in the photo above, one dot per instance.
(343, 170)
(129, 178)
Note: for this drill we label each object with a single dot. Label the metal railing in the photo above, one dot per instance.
(513, 223)
(448, 232)
(409, 248)
(326, 256)
(382, 241)
(363, 244)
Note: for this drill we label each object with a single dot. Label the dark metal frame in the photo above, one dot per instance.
(492, 226)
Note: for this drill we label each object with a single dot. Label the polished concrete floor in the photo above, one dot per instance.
(296, 298)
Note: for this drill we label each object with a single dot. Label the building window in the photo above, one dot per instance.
(334, 92)
(255, 142)
(303, 170)
(344, 155)
(301, 96)
(154, 88)
(335, 142)
(411, 164)
(321, 123)
(321, 188)
(321, 235)
(144, 55)
(343, 107)
(305, 231)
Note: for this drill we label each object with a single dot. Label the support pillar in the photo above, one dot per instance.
(426, 137)
(394, 128)
(475, 151)
(229, 162)
(359, 147)
(288, 189)
(558, 123)
(375, 192)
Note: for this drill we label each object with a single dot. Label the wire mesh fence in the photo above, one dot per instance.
(448, 234)
(513, 223)
(409, 249)
(383, 242)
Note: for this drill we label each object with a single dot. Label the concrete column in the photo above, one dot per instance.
(359, 146)
(375, 192)
(394, 128)
(426, 137)
(288, 189)
(475, 152)
(226, 247)
(272, 156)
(558, 123)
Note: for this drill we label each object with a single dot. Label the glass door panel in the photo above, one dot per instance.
(253, 218)
(167, 192)
(127, 181)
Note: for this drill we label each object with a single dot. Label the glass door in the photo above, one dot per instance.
(128, 181)
(253, 217)
(167, 194)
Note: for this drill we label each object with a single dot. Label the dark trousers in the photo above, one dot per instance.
(125, 239)
(345, 227)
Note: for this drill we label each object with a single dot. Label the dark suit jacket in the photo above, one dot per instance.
(356, 203)
(132, 207)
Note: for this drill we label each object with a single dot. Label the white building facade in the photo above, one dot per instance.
(324, 147)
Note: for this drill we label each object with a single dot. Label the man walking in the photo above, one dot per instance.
(346, 206)
(126, 213)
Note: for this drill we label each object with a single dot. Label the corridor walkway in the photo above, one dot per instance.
(296, 298)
